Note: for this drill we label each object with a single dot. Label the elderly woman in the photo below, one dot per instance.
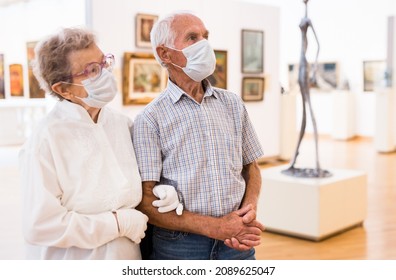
(80, 178)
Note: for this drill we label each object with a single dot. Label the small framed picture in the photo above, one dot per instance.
(374, 74)
(326, 76)
(144, 24)
(219, 76)
(293, 76)
(253, 88)
(16, 79)
(2, 87)
(143, 78)
(252, 51)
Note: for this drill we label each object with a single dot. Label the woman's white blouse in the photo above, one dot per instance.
(74, 173)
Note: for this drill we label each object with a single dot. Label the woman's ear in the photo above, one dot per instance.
(163, 54)
(60, 89)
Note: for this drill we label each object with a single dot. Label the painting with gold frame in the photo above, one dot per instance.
(219, 76)
(34, 88)
(144, 24)
(143, 78)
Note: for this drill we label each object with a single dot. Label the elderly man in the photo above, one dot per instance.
(200, 140)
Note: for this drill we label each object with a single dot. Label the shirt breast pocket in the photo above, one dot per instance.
(168, 147)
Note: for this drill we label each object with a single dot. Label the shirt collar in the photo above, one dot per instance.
(77, 112)
(175, 92)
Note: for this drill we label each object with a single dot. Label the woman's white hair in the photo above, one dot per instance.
(52, 63)
(163, 34)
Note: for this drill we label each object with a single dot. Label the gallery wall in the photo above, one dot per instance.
(22, 23)
(225, 19)
(29, 22)
(115, 29)
(349, 33)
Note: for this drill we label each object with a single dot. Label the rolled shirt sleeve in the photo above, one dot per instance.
(146, 141)
(251, 146)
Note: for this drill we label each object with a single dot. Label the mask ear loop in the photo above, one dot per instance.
(177, 65)
(178, 51)
(174, 49)
(74, 96)
(72, 84)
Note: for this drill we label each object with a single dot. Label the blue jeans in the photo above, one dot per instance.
(176, 245)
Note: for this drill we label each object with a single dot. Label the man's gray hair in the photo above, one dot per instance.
(163, 34)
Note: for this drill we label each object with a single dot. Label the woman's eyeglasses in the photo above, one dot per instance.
(93, 70)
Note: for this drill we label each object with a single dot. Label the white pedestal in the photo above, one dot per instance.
(312, 208)
(343, 115)
(289, 131)
(384, 135)
(12, 130)
(19, 117)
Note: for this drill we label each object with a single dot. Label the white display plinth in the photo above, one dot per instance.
(289, 133)
(19, 117)
(343, 115)
(383, 140)
(312, 208)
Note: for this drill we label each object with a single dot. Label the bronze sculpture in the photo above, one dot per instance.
(305, 83)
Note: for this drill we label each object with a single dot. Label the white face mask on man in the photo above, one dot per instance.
(201, 60)
(100, 91)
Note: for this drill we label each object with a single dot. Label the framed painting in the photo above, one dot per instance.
(326, 76)
(252, 51)
(219, 76)
(143, 78)
(34, 88)
(293, 76)
(374, 74)
(253, 88)
(144, 24)
(16, 80)
(2, 87)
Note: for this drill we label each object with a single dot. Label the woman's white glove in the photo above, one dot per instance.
(132, 224)
(168, 199)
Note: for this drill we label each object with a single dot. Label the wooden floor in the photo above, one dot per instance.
(376, 239)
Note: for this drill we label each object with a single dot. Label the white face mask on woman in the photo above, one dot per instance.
(101, 91)
(201, 60)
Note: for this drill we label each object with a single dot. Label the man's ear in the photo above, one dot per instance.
(61, 89)
(163, 54)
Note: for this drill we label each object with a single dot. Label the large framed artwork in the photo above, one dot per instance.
(219, 76)
(34, 88)
(252, 51)
(143, 78)
(16, 79)
(253, 88)
(374, 74)
(326, 76)
(144, 24)
(2, 87)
